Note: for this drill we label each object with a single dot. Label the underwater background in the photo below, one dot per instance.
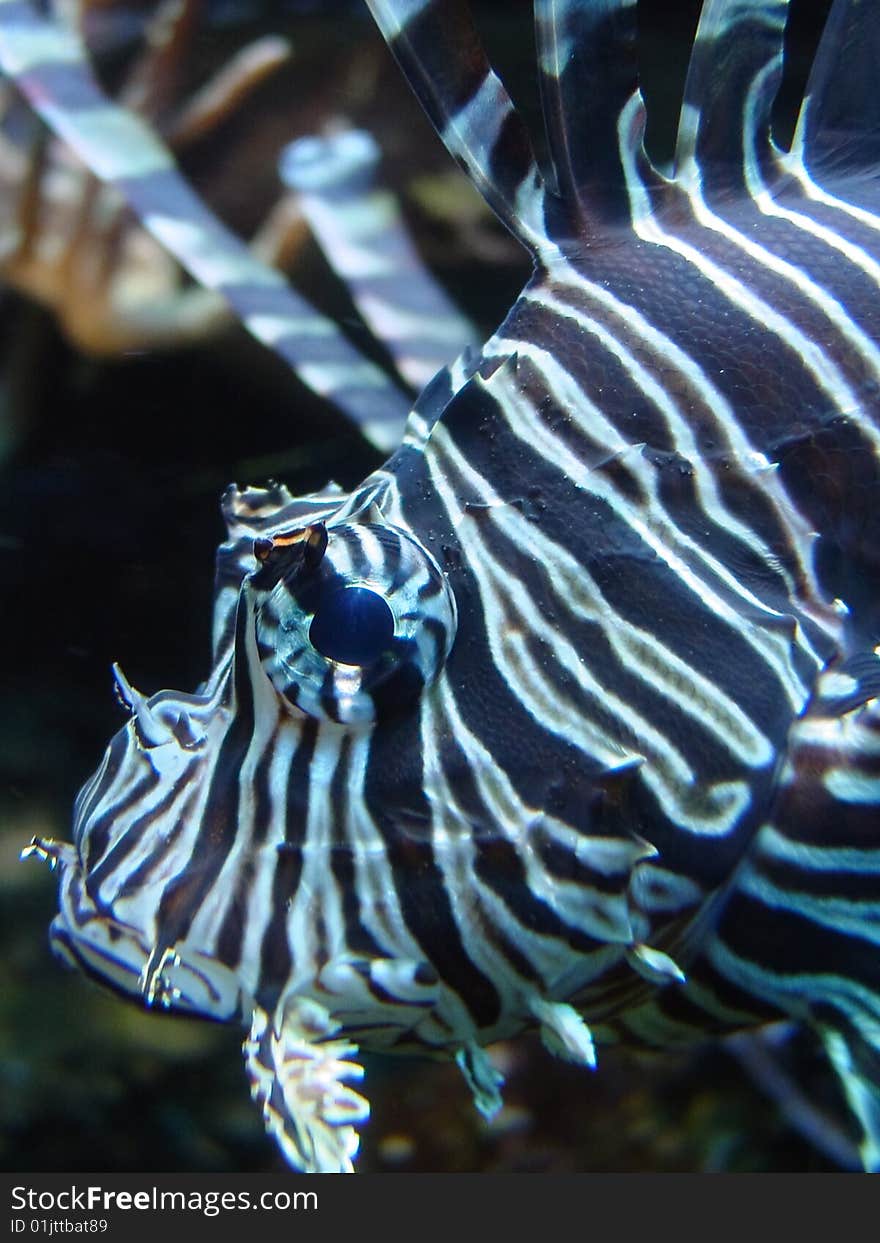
(111, 468)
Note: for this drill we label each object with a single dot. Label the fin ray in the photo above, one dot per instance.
(588, 72)
(49, 65)
(360, 229)
(439, 51)
(839, 123)
(732, 80)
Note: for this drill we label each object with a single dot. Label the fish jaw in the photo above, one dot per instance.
(87, 935)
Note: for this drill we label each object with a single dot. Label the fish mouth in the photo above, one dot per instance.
(72, 933)
(120, 957)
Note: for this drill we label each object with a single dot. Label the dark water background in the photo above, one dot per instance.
(110, 473)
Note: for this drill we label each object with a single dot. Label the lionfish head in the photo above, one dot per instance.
(330, 622)
(129, 834)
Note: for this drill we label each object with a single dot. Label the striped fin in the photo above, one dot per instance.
(800, 930)
(360, 229)
(588, 72)
(483, 1079)
(857, 1063)
(48, 64)
(438, 49)
(296, 1075)
(840, 118)
(733, 77)
(764, 1055)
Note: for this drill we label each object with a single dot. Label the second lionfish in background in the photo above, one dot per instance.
(567, 716)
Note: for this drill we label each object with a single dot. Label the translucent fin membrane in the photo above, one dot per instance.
(49, 65)
(438, 49)
(840, 118)
(588, 71)
(734, 74)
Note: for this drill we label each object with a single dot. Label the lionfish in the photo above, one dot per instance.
(567, 717)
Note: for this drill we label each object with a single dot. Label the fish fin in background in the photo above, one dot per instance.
(360, 228)
(839, 124)
(800, 930)
(49, 65)
(297, 1072)
(439, 50)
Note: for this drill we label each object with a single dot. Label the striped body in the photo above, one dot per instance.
(626, 715)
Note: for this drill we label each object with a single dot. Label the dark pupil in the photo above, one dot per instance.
(352, 625)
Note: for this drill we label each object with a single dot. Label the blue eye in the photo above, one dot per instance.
(352, 620)
(352, 626)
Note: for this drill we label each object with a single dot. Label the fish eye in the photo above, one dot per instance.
(352, 621)
(352, 625)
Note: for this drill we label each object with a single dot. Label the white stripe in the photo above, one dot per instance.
(669, 354)
(775, 845)
(794, 163)
(825, 374)
(509, 615)
(661, 534)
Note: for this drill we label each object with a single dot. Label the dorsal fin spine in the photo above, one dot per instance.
(468, 106)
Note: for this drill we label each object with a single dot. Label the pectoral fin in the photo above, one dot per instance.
(297, 1072)
(857, 1062)
(799, 931)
